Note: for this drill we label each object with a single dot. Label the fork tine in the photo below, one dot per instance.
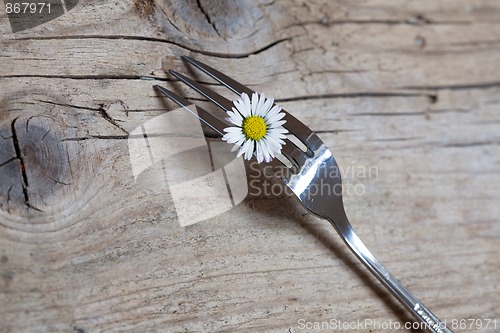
(296, 156)
(213, 122)
(218, 125)
(295, 126)
(231, 84)
(220, 101)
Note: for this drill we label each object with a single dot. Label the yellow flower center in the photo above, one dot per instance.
(254, 127)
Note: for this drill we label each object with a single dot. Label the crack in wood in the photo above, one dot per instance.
(333, 71)
(471, 144)
(19, 156)
(8, 161)
(5, 137)
(77, 77)
(98, 137)
(351, 95)
(9, 199)
(335, 131)
(484, 85)
(414, 21)
(103, 112)
(165, 15)
(69, 105)
(89, 77)
(411, 138)
(209, 20)
(60, 182)
(476, 43)
(390, 114)
(161, 40)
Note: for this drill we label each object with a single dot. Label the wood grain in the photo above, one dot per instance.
(406, 94)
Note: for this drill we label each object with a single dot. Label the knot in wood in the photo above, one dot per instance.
(34, 165)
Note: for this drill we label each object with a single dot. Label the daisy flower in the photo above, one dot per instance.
(258, 127)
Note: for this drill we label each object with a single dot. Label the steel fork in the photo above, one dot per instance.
(312, 170)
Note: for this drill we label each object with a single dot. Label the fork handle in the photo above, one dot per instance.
(430, 322)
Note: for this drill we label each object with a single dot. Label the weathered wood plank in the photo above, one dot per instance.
(406, 94)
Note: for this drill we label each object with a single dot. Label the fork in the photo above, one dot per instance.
(309, 168)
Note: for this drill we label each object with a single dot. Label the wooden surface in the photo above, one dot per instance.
(410, 89)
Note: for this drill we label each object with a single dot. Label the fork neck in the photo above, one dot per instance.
(430, 322)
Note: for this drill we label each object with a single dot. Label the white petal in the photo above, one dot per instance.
(238, 106)
(241, 151)
(274, 111)
(277, 124)
(235, 147)
(233, 134)
(275, 118)
(267, 106)
(245, 109)
(243, 148)
(268, 157)
(268, 153)
(248, 148)
(259, 109)
(279, 130)
(259, 152)
(233, 137)
(235, 118)
(232, 129)
(240, 140)
(239, 111)
(255, 101)
(273, 143)
(228, 136)
(237, 103)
